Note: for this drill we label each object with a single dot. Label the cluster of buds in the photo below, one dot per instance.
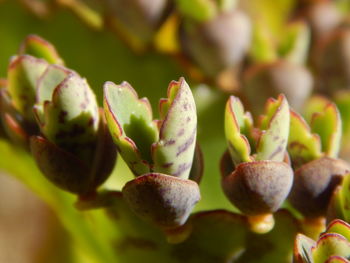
(160, 153)
(51, 111)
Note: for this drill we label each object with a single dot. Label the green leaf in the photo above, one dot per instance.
(37, 47)
(273, 141)
(336, 259)
(235, 119)
(303, 249)
(262, 48)
(295, 42)
(330, 244)
(72, 116)
(342, 99)
(130, 122)
(199, 10)
(327, 123)
(22, 76)
(173, 153)
(340, 227)
(315, 104)
(345, 197)
(303, 146)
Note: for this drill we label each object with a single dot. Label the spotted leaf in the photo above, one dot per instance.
(130, 123)
(273, 141)
(173, 153)
(36, 46)
(235, 120)
(303, 146)
(22, 75)
(71, 117)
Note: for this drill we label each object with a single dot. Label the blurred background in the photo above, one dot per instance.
(251, 48)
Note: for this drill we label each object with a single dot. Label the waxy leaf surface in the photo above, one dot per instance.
(173, 153)
(130, 122)
(238, 144)
(273, 141)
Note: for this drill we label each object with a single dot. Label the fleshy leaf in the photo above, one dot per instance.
(48, 81)
(327, 123)
(340, 227)
(315, 104)
(23, 73)
(36, 46)
(303, 146)
(238, 144)
(330, 244)
(336, 259)
(273, 141)
(130, 123)
(295, 44)
(303, 249)
(342, 99)
(345, 197)
(71, 117)
(173, 153)
(200, 10)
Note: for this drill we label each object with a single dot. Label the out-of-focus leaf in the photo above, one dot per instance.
(200, 10)
(345, 197)
(303, 146)
(316, 103)
(23, 73)
(173, 153)
(327, 124)
(273, 141)
(37, 47)
(238, 144)
(294, 45)
(342, 99)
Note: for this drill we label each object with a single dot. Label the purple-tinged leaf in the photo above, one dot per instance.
(235, 119)
(340, 227)
(303, 249)
(130, 122)
(23, 74)
(273, 141)
(330, 244)
(173, 153)
(36, 46)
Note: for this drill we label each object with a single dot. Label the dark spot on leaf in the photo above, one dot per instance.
(181, 132)
(167, 165)
(61, 116)
(182, 168)
(169, 142)
(182, 148)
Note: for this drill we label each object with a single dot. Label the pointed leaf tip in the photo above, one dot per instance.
(273, 141)
(173, 153)
(238, 144)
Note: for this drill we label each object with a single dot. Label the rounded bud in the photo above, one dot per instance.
(314, 183)
(259, 187)
(161, 199)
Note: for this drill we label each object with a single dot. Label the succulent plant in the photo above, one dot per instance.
(159, 152)
(332, 246)
(260, 182)
(75, 150)
(18, 94)
(313, 151)
(279, 68)
(216, 39)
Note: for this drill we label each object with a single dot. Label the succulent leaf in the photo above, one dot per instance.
(23, 73)
(339, 227)
(327, 123)
(238, 144)
(330, 244)
(273, 141)
(173, 153)
(342, 99)
(72, 116)
(345, 198)
(199, 10)
(303, 247)
(303, 146)
(130, 122)
(36, 46)
(295, 44)
(315, 104)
